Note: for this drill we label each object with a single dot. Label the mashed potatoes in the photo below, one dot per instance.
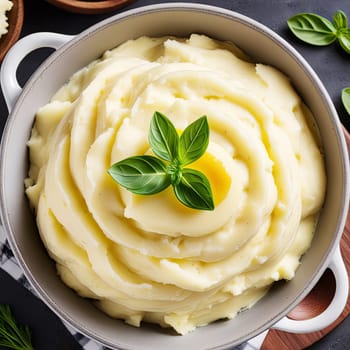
(149, 257)
(5, 5)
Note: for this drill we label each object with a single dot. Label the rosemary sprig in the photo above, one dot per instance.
(12, 334)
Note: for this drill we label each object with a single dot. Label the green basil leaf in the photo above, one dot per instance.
(344, 39)
(194, 141)
(194, 191)
(312, 29)
(141, 174)
(345, 96)
(148, 175)
(163, 137)
(340, 20)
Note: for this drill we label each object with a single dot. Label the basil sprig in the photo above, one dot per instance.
(147, 174)
(318, 30)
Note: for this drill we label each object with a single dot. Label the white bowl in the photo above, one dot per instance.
(73, 53)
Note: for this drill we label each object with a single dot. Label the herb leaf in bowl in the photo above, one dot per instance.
(147, 174)
(163, 137)
(194, 141)
(193, 190)
(141, 174)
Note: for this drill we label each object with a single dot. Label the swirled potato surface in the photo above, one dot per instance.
(149, 258)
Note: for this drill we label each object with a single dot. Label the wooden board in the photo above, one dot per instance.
(89, 7)
(15, 23)
(279, 340)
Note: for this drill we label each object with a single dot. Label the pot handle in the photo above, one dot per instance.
(9, 83)
(324, 319)
(334, 309)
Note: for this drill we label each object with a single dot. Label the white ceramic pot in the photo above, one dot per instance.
(73, 53)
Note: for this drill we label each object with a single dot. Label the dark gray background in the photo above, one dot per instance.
(331, 64)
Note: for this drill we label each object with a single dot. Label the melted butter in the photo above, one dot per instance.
(216, 173)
